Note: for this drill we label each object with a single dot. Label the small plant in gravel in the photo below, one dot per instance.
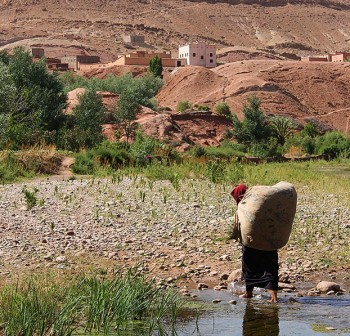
(30, 197)
(142, 195)
(215, 171)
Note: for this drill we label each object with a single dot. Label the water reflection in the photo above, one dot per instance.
(260, 320)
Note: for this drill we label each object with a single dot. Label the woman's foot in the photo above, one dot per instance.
(247, 295)
(273, 296)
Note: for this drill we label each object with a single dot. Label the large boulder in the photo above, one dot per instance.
(326, 286)
(266, 215)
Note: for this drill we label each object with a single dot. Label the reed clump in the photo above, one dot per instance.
(127, 304)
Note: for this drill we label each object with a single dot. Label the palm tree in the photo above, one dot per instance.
(283, 128)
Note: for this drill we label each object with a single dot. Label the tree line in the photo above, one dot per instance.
(33, 101)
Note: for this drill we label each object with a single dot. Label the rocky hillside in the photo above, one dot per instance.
(301, 90)
(277, 26)
(341, 4)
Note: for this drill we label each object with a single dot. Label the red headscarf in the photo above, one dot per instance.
(238, 192)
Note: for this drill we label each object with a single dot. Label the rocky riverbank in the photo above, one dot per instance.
(178, 236)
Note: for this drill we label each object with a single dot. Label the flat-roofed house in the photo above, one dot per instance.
(142, 57)
(199, 53)
(74, 62)
(341, 57)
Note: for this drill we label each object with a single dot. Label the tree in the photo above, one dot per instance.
(310, 130)
(36, 113)
(126, 112)
(4, 57)
(282, 128)
(88, 118)
(7, 99)
(156, 66)
(255, 127)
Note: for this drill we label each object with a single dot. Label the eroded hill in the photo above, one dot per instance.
(303, 91)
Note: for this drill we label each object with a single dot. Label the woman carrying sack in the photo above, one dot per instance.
(259, 268)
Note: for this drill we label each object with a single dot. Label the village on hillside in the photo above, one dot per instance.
(197, 54)
(194, 53)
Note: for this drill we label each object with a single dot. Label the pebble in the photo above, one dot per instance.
(61, 259)
(202, 285)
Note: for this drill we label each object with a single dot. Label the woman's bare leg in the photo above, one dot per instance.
(247, 295)
(273, 295)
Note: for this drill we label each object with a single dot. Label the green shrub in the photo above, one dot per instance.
(197, 151)
(156, 66)
(183, 105)
(223, 109)
(142, 147)
(310, 130)
(226, 149)
(270, 148)
(84, 164)
(111, 154)
(145, 88)
(203, 108)
(333, 144)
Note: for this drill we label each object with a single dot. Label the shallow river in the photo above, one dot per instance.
(257, 317)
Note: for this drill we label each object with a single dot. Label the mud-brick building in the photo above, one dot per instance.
(74, 62)
(199, 53)
(37, 52)
(315, 59)
(56, 64)
(341, 57)
(134, 39)
(142, 57)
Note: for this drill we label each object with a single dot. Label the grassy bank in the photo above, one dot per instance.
(27, 163)
(124, 305)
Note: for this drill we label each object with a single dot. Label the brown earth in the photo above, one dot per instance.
(67, 27)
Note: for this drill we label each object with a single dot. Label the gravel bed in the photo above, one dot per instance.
(170, 234)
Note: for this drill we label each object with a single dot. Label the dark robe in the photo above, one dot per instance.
(260, 268)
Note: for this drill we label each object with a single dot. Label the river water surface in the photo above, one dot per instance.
(258, 317)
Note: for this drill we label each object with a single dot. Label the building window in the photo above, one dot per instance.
(202, 57)
(211, 54)
(211, 61)
(194, 54)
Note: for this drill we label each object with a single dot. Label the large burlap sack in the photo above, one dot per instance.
(266, 215)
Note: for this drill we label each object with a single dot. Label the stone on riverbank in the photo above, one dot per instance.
(327, 286)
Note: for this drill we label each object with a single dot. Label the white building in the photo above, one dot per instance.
(200, 53)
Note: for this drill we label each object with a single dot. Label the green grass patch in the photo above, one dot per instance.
(125, 304)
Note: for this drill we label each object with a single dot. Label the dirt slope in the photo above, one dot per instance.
(96, 27)
(304, 91)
